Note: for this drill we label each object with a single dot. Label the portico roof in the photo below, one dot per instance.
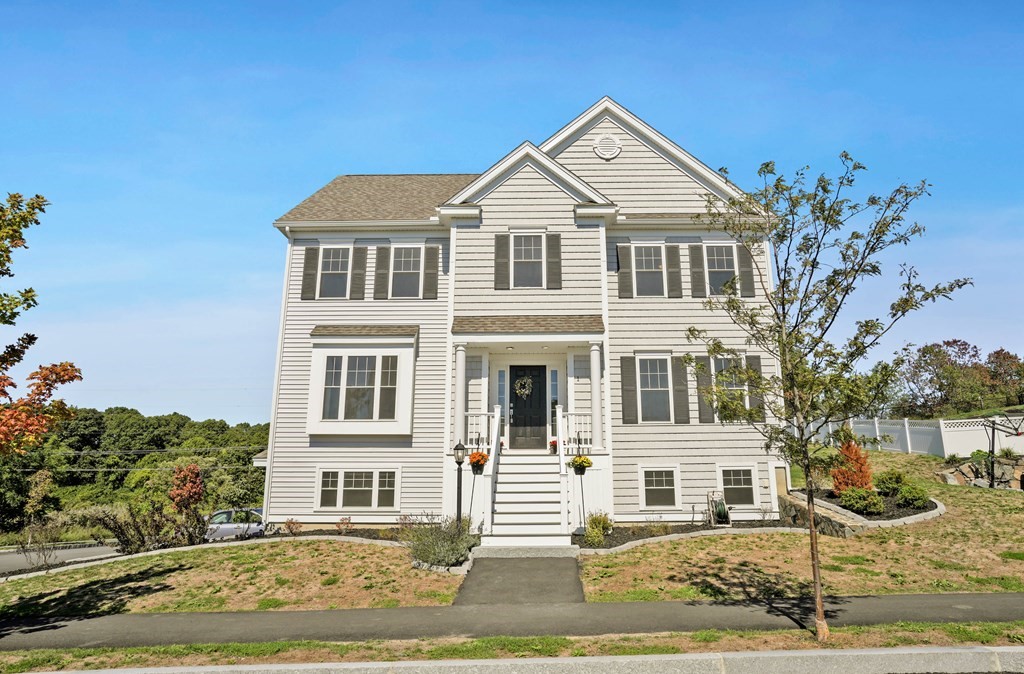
(529, 324)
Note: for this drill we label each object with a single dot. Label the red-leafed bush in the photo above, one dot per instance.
(186, 494)
(853, 471)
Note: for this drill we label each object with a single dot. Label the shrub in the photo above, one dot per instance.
(137, 527)
(439, 541)
(344, 525)
(36, 541)
(1007, 453)
(953, 460)
(862, 501)
(854, 470)
(601, 521)
(888, 482)
(593, 537)
(292, 526)
(911, 496)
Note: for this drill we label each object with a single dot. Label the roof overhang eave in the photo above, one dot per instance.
(288, 226)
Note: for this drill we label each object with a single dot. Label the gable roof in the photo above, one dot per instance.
(379, 197)
(529, 154)
(606, 108)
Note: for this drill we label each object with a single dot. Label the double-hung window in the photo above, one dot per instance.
(729, 379)
(527, 261)
(359, 489)
(649, 271)
(655, 402)
(369, 388)
(659, 487)
(721, 266)
(406, 271)
(334, 272)
(738, 486)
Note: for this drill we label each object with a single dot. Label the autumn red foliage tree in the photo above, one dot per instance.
(854, 469)
(25, 420)
(186, 494)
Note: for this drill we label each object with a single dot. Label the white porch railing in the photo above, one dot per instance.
(494, 450)
(579, 437)
(563, 467)
(481, 429)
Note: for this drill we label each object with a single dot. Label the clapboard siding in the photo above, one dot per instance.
(659, 325)
(527, 200)
(297, 455)
(639, 180)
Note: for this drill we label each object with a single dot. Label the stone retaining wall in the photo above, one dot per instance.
(1009, 474)
(832, 520)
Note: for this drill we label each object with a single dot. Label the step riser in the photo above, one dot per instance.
(536, 459)
(526, 529)
(527, 497)
(526, 507)
(497, 541)
(525, 519)
(527, 478)
(544, 494)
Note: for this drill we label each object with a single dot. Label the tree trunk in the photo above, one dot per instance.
(820, 626)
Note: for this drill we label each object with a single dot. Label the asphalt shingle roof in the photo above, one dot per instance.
(589, 323)
(365, 331)
(379, 197)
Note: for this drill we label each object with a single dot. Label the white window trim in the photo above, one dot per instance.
(676, 487)
(639, 398)
(402, 347)
(707, 267)
(754, 484)
(348, 275)
(664, 266)
(391, 272)
(543, 258)
(746, 386)
(341, 470)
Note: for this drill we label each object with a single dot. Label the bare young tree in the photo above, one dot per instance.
(811, 245)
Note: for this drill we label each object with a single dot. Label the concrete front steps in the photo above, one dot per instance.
(527, 503)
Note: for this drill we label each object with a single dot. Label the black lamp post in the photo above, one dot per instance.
(460, 457)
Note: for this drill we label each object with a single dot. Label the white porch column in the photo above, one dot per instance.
(460, 394)
(596, 423)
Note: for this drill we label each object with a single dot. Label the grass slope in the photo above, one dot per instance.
(294, 575)
(976, 547)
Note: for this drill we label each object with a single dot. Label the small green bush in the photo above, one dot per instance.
(911, 496)
(953, 460)
(889, 482)
(600, 520)
(593, 537)
(439, 541)
(1007, 453)
(862, 501)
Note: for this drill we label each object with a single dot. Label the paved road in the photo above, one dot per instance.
(14, 561)
(493, 620)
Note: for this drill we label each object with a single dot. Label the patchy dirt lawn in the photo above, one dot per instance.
(281, 652)
(977, 546)
(292, 575)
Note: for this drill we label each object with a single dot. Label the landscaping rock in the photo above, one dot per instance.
(1009, 474)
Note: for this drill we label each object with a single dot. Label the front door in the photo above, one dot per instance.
(527, 414)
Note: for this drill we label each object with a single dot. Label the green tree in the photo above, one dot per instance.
(942, 378)
(821, 245)
(1006, 373)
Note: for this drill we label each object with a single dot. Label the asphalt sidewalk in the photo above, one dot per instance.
(572, 619)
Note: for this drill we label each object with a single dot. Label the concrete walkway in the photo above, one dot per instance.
(534, 580)
(494, 620)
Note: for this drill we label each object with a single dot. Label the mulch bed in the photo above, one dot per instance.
(389, 534)
(891, 512)
(622, 534)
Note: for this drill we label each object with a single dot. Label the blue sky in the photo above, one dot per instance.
(169, 137)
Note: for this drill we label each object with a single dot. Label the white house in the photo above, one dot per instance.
(543, 302)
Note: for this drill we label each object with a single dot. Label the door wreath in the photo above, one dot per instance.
(523, 387)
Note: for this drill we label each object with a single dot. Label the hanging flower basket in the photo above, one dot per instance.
(580, 463)
(477, 461)
(523, 387)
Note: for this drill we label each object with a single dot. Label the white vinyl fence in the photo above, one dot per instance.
(938, 437)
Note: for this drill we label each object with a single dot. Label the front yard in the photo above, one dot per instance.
(977, 546)
(287, 574)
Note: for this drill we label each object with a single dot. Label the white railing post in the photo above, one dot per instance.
(563, 476)
(596, 422)
(493, 450)
(906, 429)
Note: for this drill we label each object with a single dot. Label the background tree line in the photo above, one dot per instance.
(122, 456)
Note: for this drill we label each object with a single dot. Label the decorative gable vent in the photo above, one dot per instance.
(607, 146)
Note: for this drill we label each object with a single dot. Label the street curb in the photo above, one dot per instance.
(67, 545)
(692, 534)
(853, 661)
(105, 559)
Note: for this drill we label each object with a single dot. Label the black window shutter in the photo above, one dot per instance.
(698, 287)
(431, 256)
(628, 367)
(625, 252)
(554, 261)
(756, 402)
(309, 271)
(358, 289)
(746, 265)
(705, 413)
(501, 246)
(675, 277)
(382, 275)
(680, 392)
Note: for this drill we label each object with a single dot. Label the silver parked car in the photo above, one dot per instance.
(247, 523)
